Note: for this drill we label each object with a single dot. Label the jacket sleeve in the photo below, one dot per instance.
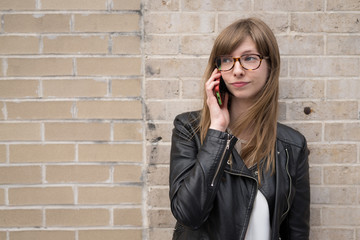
(195, 172)
(297, 222)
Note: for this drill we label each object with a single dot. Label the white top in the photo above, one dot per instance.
(259, 224)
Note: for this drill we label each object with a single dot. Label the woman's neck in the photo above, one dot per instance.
(239, 107)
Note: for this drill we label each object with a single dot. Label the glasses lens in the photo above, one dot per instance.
(250, 62)
(224, 63)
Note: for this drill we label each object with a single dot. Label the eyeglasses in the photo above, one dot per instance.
(248, 62)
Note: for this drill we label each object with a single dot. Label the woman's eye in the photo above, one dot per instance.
(227, 60)
(251, 58)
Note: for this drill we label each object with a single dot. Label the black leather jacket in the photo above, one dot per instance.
(212, 199)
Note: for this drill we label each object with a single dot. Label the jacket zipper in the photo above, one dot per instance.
(221, 160)
(287, 171)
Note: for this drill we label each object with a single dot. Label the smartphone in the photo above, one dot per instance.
(219, 92)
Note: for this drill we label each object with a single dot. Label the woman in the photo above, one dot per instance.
(235, 173)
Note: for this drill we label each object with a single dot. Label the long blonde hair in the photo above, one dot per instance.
(262, 115)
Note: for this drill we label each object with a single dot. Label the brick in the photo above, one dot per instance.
(126, 45)
(333, 195)
(19, 88)
(77, 174)
(74, 131)
(161, 5)
(342, 175)
(341, 45)
(325, 22)
(315, 175)
(75, 44)
(20, 132)
(315, 216)
(155, 44)
(77, 217)
(333, 153)
(161, 218)
(36, 23)
(300, 88)
(39, 110)
(289, 6)
(3, 153)
(128, 131)
(336, 110)
(126, 5)
(123, 234)
(128, 217)
(2, 198)
(192, 89)
(158, 175)
(332, 233)
(343, 89)
(310, 44)
(73, 5)
(19, 45)
(41, 196)
(21, 218)
(42, 235)
(17, 67)
(109, 109)
(126, 87)
(110, 195)
(158, 197)
(161, 233)
(350, 216)
(17, 5)
(127, 173)
(114, 66)
(324, 67)
(33, 153)
(20, 175)
(156, 131)
(110, 152)
(162, 89)
(342, 131)
(158, 153)
(349, 5)
(127, 22)
(74, 88)
(198, 5)
(3, 235)
(194, 44)
(312, 131)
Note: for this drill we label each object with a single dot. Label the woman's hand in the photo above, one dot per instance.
(219, 116)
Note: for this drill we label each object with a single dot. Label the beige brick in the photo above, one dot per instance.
(42, 235)
(342, 131)
(20, 175)
(333, 195)
(315, 216)
(126, 45)
(332, 233)
(161, 218)
(199, 5)
(39, 67)
(342, 175)
(128, 131)
(343, 89)
(312, 131)
(162, 89)
(158, 197)
(110, 152)
(128, 217)
(127, 22)
(349, 5)
(109, 110)
(75, 44)
(310, 44)
(156, 131)
(299, 88)
(110, 195)
(17, 4)
(341, 45)
(20, 131)
(77, 131)
(126, 5)
(19, 88)
(73, 5)
(74, 88)
(32, 153)
(161, 233)
(41, 196)
(126, 87)
(2, 198)
(128, 173)
(77, 174)
(39, 110)
(114, 66)
(77, 217)
(315, 175)
(161, 5)
(125, 234)
(19, 45)
(3, 153)
(194, 44)
(158, 154)
(285, 5)
(3, 235)
(20, 218)
(36, 23)
(192, 89)
(158, 175)
(162, 45)
(325, 22)
(333, 153)
(346, 216)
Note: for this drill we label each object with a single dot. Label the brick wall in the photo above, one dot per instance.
(89, 89)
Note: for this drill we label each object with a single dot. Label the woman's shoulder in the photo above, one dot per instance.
(290, 135)
(191, 118)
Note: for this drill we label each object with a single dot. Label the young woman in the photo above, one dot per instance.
(235, 173)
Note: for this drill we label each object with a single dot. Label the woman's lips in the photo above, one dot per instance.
(239, 84)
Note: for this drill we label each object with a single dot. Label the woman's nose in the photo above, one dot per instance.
(238, 69)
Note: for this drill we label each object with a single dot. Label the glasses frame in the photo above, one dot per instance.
(238, 59)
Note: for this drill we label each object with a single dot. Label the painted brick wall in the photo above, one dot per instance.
(89, 89)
